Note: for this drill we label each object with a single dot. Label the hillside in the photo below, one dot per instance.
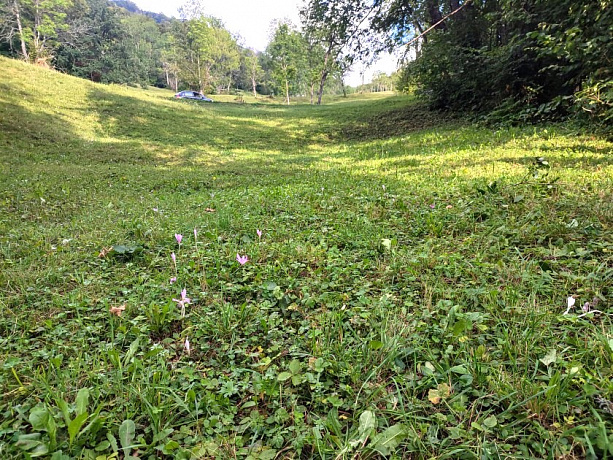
(404, 291)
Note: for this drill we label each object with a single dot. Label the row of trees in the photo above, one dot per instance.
(115, 42)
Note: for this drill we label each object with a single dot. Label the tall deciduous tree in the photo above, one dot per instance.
(36, 23)
(285, 54)
(336, 26)
(251, 68)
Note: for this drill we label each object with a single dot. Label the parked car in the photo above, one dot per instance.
(193, 95)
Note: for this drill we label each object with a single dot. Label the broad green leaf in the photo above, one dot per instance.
(52, 431)
(294, 366)
(102, 445)
(113, 441)
(459, 369)
(375, 344)
(59, 455)
(131, 351)
(332, 422)
(28, 441)
(549, 358)
(368, 422)
(283, 376)
(82, 400)
(127, 431)
(75, 426)
(39, 451)
(63, 405)
(170, 446)
(491, 421)
(269, 285)
(39, 418)
(387, 441)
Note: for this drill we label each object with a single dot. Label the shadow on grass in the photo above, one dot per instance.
(395, 122)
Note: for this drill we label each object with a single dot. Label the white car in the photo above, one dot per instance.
(193, 95)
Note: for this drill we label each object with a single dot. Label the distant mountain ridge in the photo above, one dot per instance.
(133, 8)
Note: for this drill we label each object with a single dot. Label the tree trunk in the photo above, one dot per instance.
(312, 91)
(200, 75)
(434, 14)
(255, 94)
(324, 75)
(24, 50)
(287, 91)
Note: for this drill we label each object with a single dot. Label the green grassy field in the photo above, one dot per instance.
(405, 299)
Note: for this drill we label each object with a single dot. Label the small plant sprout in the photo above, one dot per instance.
(259, 232)
(183, 301)
(179, 238)
(187, 346)
(241, 259)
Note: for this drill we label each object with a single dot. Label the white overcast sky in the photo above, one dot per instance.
(251, 19)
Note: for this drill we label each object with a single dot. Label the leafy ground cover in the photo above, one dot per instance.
(403, 295)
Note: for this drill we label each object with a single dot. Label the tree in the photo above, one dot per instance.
(518, 59)
(208, 53)
(336, 26)
(285, 54)
(37, 24)
(89, 46)
(226, 57)
(251, 68)
(11, 25)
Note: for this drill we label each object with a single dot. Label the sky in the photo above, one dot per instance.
(252, 19)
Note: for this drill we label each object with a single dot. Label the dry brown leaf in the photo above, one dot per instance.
(441, 391)
(433, 396)
(117, 310)
(105, 251)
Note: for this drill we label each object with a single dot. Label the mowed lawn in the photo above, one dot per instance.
(404, 293)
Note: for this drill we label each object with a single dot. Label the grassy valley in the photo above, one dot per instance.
(404, 294)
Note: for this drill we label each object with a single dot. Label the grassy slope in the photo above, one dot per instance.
(360, 299)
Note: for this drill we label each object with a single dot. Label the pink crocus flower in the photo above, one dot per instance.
(259, 232)
(241, 259)
(179, 237)
(173, 256)
(183, 301)
(173, 279)
(195, 234)
(187, 346)
(432, 205)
